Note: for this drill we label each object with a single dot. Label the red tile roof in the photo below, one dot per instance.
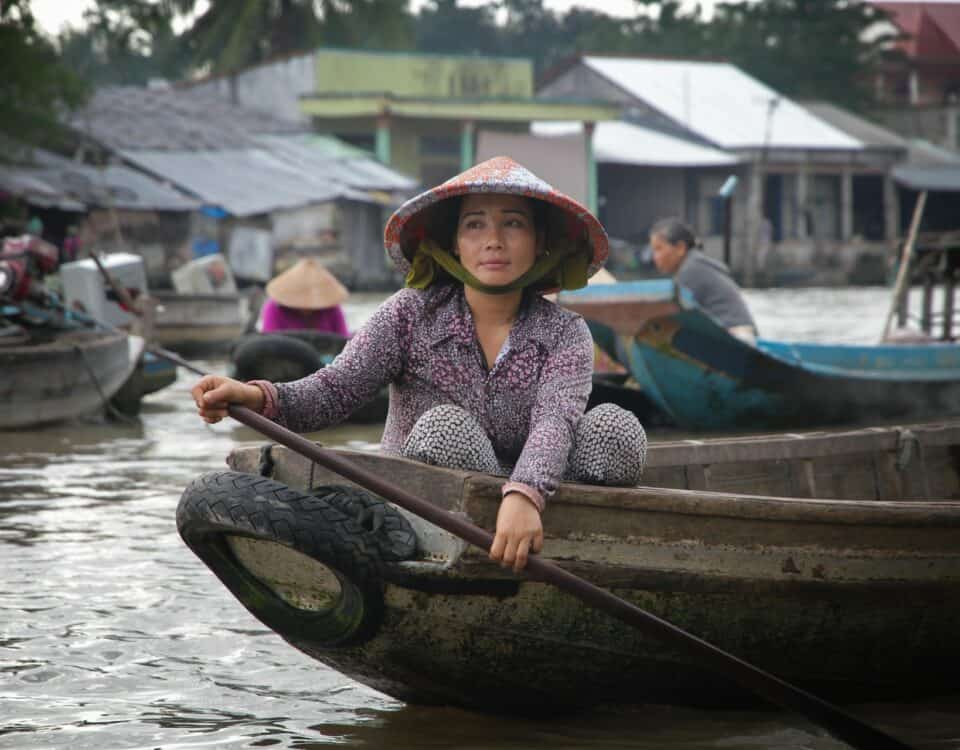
(934, 27)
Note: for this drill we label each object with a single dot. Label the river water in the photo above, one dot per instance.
(113, 635)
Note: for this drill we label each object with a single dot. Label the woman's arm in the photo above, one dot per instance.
(561, 398)
(565, 383)
(370, 360)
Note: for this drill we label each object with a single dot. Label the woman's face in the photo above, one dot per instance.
(667, 256)
(496, 237)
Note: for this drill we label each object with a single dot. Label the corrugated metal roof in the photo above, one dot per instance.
(868, 133)
(243, 182)
(721, 103)
(628, 143)
(245, 161)
(934, 179)
(337, 161)
(925, 154)
(113, 185)
(278, 172)
(30, 185)
(168, 119)
(53, 181)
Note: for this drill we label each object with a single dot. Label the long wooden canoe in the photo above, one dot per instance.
(71, 373)
(831, 559)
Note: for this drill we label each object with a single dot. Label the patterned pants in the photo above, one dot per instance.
(609, 446)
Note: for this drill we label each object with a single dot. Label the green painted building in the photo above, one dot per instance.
(421, 113)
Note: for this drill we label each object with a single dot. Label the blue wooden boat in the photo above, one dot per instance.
(706, 379)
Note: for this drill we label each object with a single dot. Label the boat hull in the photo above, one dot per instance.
(849, 599)
(706, 379)
(151, 374)
(703, 378)
(72, 375)
(199, 323)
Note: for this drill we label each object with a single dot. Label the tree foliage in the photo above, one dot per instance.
(233, 34)
(35, 87)
(809, 49)
(367, 24)
(126, 42)
(803, 48)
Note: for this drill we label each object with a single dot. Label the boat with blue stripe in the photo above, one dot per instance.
(704, 378)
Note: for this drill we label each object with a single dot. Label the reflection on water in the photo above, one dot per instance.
(113, 635)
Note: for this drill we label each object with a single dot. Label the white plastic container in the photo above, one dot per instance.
(210, 274)
(85, 290)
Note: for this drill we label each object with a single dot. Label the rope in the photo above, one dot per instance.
(107, 406)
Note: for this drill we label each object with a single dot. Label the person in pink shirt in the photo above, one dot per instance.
(304, 297)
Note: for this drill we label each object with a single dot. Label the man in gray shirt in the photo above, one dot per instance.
(675, 252)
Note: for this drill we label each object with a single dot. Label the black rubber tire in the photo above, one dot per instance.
(274, 357)
(230, 503)
(388, 529)
(324, 343)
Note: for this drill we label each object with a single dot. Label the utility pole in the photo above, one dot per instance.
(726, 195)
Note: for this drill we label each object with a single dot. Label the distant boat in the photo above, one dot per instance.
(204, 313)
(52, 375)
(703, 378)
(151, 374)
(831, 559)
(199, 324)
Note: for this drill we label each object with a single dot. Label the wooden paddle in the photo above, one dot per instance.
(841, 725)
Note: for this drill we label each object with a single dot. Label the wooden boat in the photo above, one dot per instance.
(830, 559)
(199, 323)
(151, 374)
(703, 378)
(52, 375)
(290, 355)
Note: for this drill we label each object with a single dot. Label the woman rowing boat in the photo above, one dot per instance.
(484, 373)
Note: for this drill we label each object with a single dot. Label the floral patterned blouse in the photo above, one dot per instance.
(424, 344)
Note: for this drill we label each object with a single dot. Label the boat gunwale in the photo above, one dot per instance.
(700, 503)
(86, 338)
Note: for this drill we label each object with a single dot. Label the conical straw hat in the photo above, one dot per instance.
(409, 223)
(307, 285)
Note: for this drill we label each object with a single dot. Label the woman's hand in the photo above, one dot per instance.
(214, 393)
(519, 531)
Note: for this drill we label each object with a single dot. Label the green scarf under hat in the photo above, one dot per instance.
(567, 264)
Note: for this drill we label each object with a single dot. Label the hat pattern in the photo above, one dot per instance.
(498, 175)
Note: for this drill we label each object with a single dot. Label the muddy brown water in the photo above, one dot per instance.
(113, 635)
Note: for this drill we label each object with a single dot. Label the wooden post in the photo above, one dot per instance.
(383, 139)
(926, 308)
(902, 272)
(467, 154)
(592, 188)
(948, 290)
(846, 204)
